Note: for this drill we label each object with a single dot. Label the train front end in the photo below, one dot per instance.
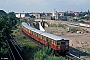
(62, 46)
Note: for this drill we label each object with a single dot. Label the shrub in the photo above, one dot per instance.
(55, 58)
(74, 30)
(62, 25)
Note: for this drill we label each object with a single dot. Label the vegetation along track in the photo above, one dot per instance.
(14, 50)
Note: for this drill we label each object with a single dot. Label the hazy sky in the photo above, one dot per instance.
(44, 5)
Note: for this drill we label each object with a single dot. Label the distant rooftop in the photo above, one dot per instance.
(3, 12)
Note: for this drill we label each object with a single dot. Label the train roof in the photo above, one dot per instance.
(52, 36)
(37, 31)
(31, 28)
(27, 26)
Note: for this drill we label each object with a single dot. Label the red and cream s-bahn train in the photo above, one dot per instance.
(59, 44)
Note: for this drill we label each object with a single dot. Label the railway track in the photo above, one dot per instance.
(73, 57)
(14, 50)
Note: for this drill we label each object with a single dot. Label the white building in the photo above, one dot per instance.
(18, 15)
(22, 15)
(55, 15)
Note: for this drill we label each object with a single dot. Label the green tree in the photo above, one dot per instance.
(7, 22)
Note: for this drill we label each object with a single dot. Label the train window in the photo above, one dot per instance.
(50, 40)
(36, 34)
(44, 38)
(67, 42)
(31, 32)
(28, 30)
(58, 42)
(47, 39)
(63, 43)
(54, 42)
(41, 36)
(25, 28)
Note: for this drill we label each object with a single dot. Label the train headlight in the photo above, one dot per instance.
(66, 46)
(59, 47)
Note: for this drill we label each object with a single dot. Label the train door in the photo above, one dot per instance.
(54, 42)
(35, 35)
(44, 38)
(28, 31)
(54, 45)
(31, 33)
(47, 39)
(38, 35)
(58, 43)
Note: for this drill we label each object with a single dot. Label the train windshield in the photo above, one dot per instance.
(58, 42)
(62, 43)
